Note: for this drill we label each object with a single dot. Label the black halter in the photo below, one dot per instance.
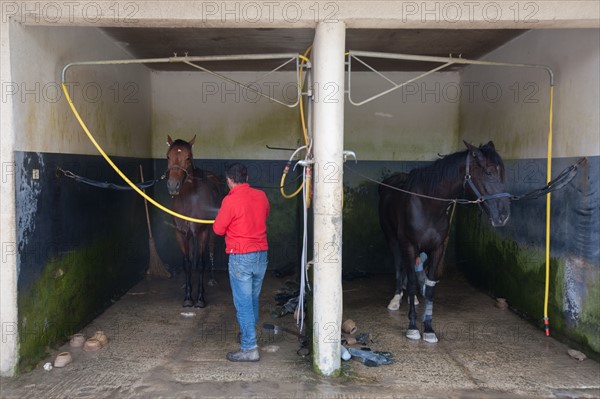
(469, 181)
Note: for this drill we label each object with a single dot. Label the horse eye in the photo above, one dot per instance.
(168, 157)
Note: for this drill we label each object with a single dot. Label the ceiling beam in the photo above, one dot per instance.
(462, 14)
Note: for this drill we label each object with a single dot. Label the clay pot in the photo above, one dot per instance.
(63, 359)
(103, 338)
(349, 327)
(92, 345)
(501, 303)
(77, 340)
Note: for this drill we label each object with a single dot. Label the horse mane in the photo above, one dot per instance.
(431, 176)
(490, 153)
(448, 168)
(444, 168)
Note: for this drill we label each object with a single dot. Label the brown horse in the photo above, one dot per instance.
(196, 193)
(417, 220)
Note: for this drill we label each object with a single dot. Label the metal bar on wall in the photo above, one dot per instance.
(189, 60)
(447, 61)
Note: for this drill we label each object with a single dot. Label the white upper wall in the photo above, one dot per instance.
(413, 123)
(511, 105)
(114, 101)
(229, 121)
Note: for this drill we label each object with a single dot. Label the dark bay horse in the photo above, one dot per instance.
(414, 224)
(196, 193)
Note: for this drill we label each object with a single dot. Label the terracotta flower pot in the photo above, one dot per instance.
(349, 327)
(62, 359)
(92, 345)
(102, 337)
(77, 340)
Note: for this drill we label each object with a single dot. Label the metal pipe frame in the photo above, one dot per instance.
(447, 61)
(189, 60)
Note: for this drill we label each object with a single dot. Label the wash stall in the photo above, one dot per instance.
(80, 247)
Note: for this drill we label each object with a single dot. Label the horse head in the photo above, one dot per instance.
(179, 163)
(485, 170)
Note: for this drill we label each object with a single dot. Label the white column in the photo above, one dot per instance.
(328, 134)
(8, 246)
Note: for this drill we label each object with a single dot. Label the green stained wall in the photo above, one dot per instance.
(79, 248)
(510, 261)
(73, 242)
(364, 249)
(505, 268)
(73, 288)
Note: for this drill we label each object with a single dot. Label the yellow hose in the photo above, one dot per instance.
(304, 59)
(548, 178)
(288, 196)
(111, 163)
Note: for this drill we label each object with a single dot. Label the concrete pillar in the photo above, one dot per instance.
(8, 242)
(328, 134)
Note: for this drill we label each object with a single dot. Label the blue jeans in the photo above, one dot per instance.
(246, 273)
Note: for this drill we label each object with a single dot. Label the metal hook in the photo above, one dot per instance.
(348, 153)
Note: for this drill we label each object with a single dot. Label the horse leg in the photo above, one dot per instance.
(429, 288)
(200, 260)
(211, 254)
(187, 268)
(400, 275)
(411, 288)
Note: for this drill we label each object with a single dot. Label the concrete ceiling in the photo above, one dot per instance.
(164, 42)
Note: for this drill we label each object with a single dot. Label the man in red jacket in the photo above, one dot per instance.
(242, 219)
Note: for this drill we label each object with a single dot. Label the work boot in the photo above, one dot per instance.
(244, 355)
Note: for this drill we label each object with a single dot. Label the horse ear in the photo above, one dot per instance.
(491, 145)
(169, 140)
(475, 152)
(470, 147)
(192, 141)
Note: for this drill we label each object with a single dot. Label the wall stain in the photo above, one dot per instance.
(504, 268)
(73, 289)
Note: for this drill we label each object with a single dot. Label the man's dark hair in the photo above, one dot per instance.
(238, 173)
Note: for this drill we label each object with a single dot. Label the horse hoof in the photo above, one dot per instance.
(395, 302)
(413, 334)
(212, 282)
(188, 303)
(200, 304)
(430, 337)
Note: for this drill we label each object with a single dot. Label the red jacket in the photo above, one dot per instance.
(243, 220)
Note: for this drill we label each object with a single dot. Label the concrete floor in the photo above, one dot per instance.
(156, 352)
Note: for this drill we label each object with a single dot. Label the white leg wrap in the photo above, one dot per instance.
(430, 337)
(428, 313)
(413, 334)
(395, 302)
(428, 283)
